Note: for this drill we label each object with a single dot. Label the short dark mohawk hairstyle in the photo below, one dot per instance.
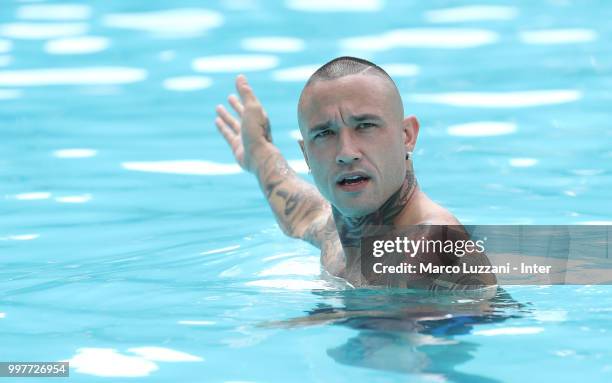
(345, 66)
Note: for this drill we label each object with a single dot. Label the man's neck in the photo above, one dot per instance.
(352, 229)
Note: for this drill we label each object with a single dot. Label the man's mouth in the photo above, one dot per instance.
(353, 182)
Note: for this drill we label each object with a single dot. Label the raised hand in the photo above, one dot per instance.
(299, 208)
(248, 134)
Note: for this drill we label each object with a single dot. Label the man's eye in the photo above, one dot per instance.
(365, 125)
(323, 134)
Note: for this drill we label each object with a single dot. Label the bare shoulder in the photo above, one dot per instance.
(440, 217)
(432, 213)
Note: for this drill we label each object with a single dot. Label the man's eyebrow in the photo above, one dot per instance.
(365, 117)
(357, 118)
(319, 126)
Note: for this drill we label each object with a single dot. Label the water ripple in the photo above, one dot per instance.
(273, 44)
(5, 46)
(187, 83)
(421, 38)
(471, 13)
(335, 5)
(558, 36)
(482, 129)
(42, 31)
(77, 45)
(184, 22)
(72, 76)
(500, 99)
(54, 12)
(234, 63)
(192, 167)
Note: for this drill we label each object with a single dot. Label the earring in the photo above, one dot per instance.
(408, 155)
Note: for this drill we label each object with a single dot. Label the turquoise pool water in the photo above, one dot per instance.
(132, 245)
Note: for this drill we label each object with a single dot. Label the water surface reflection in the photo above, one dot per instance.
(409, 331)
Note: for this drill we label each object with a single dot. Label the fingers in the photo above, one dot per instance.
(236, 104)
(232, 138)
(228, 119)
(244, 89)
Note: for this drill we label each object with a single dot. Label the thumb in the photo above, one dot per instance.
(244, 89)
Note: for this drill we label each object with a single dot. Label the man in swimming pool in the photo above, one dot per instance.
(358, 146)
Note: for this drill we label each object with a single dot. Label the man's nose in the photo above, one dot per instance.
(347, 150)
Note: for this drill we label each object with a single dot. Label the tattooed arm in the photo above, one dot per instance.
(300, 210)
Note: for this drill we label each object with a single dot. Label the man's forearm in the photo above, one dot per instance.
(295, 202)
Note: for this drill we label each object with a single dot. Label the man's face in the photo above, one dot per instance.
(354, 142)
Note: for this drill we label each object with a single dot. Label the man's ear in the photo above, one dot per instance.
(410, 126)
(301, 142)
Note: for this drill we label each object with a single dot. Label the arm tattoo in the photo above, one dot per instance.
(295, 202)
(323, 234)
(267, 128)
(291, 200)
(270, 186)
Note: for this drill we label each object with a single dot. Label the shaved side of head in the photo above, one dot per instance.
(346, 66)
